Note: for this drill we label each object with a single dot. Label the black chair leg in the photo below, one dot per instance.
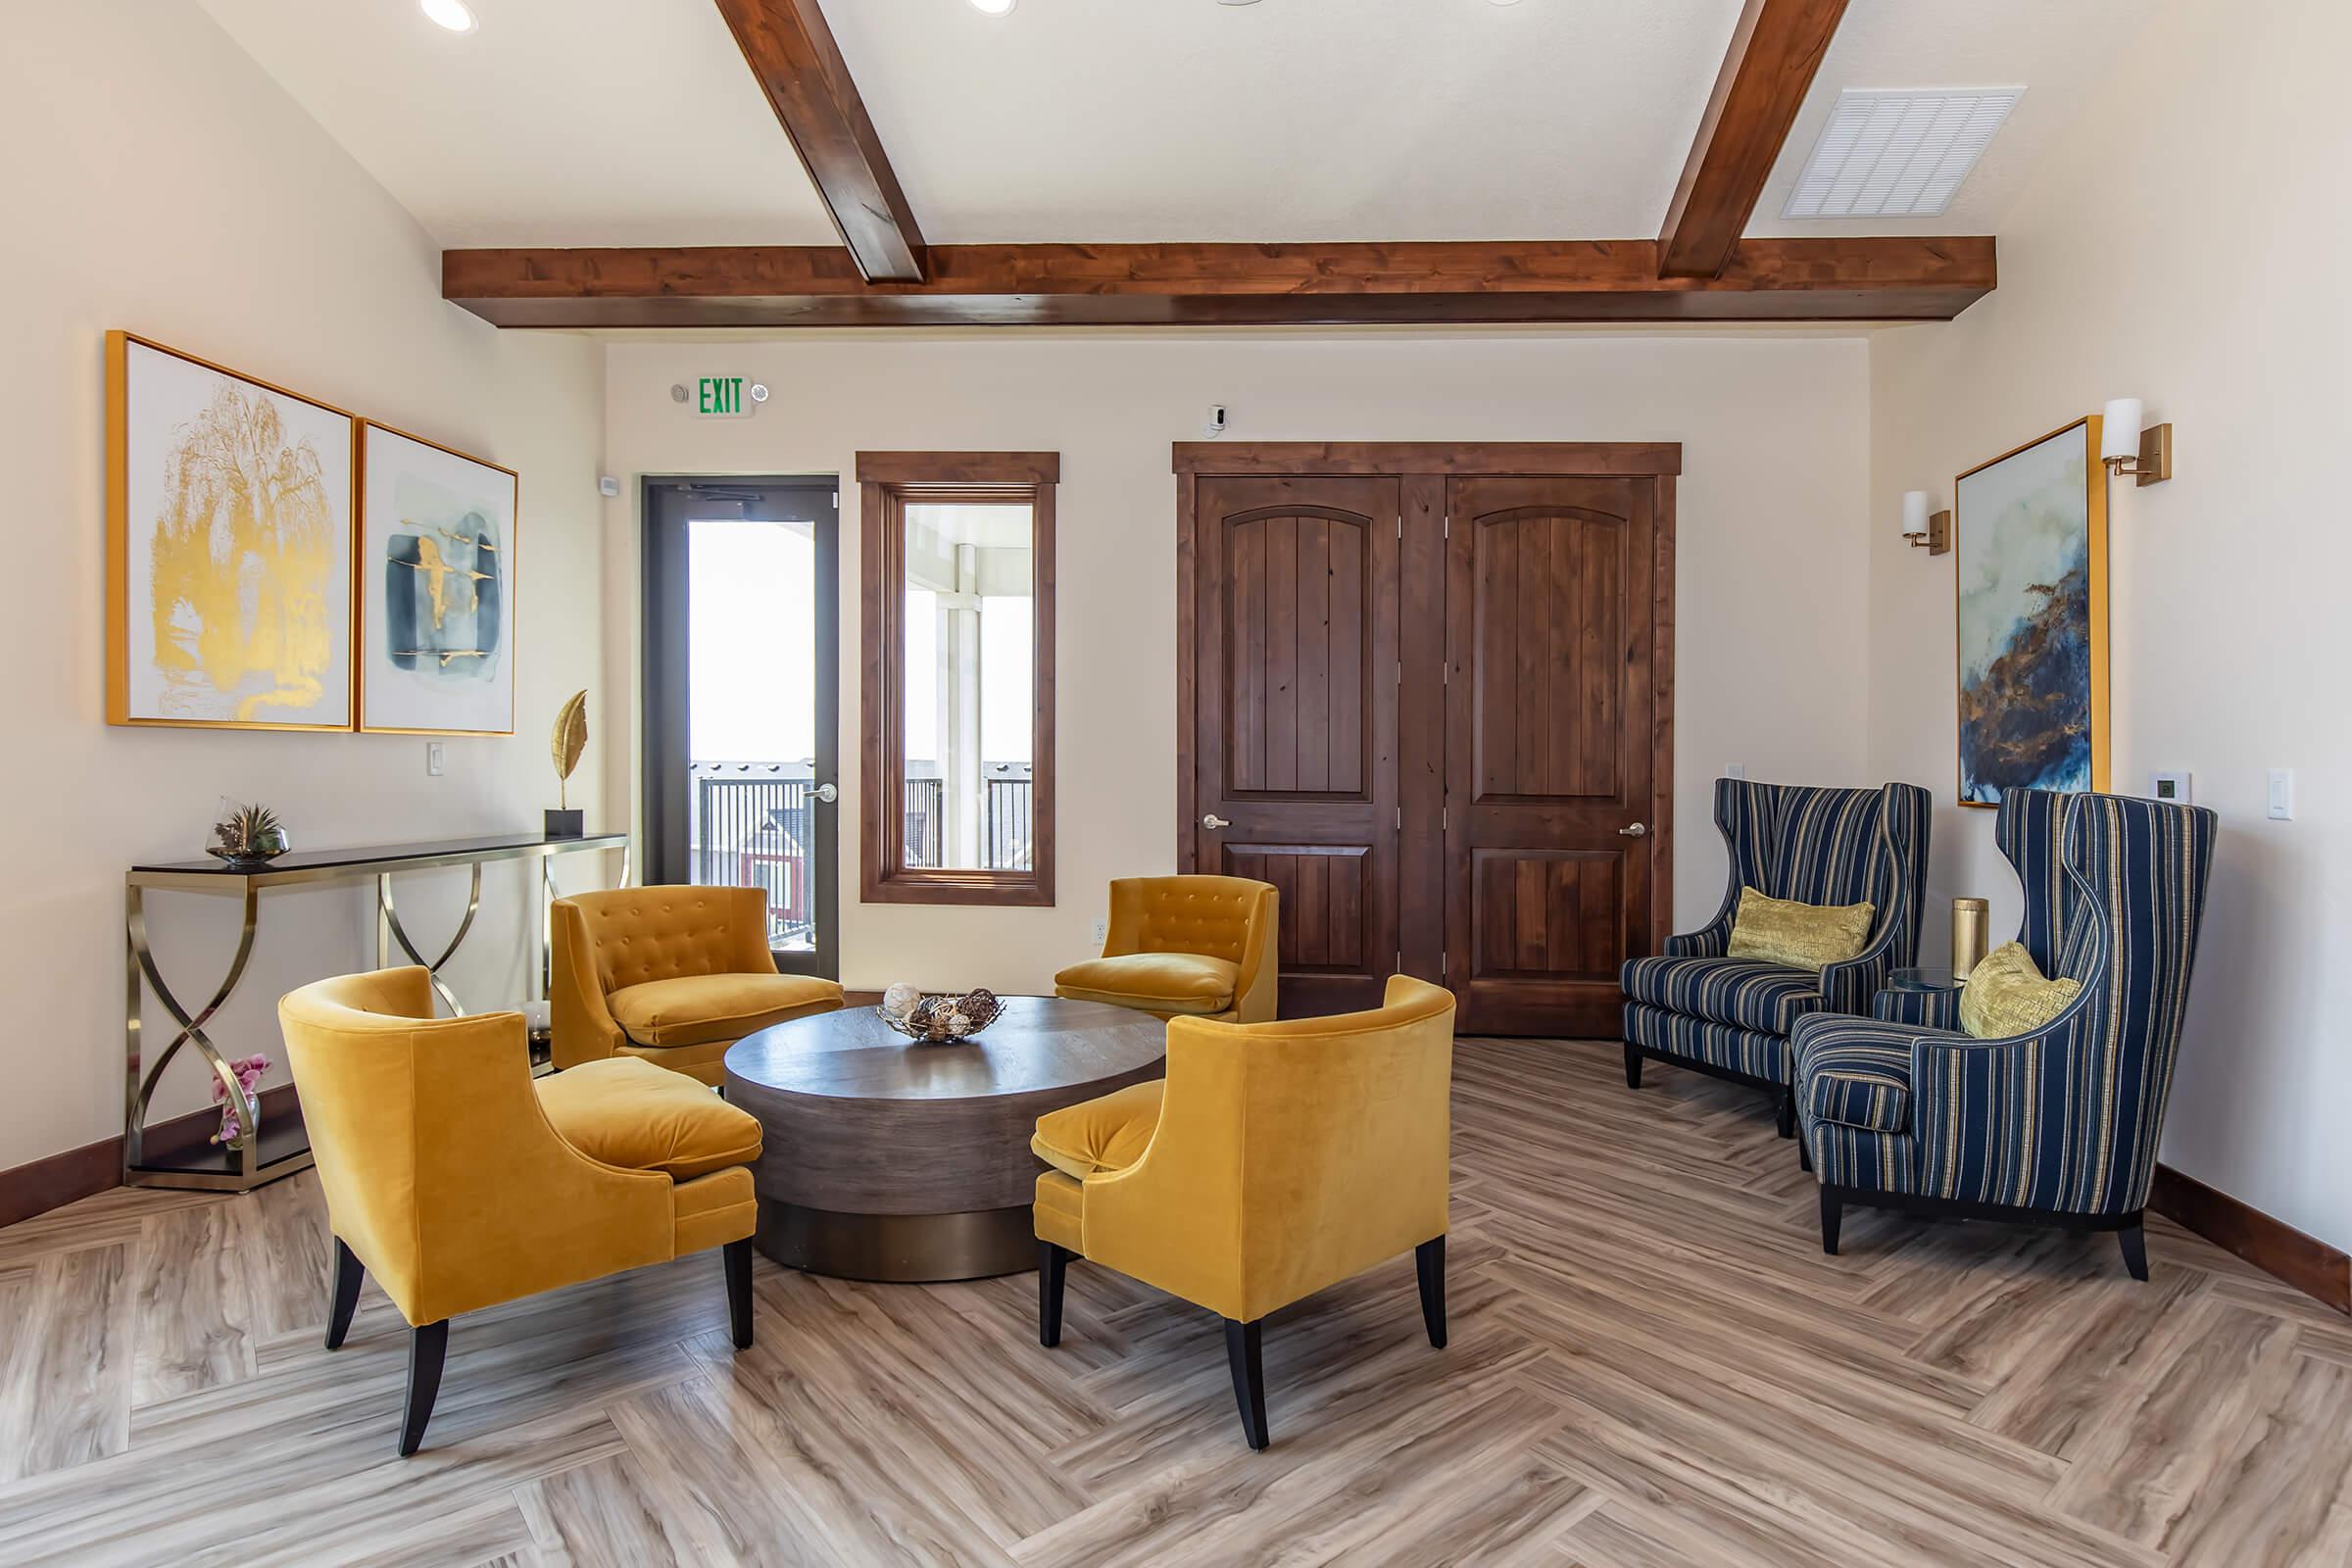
(1633, 1066)
(2135, 1249)
(1428, 1261)
(1245, 1353)
(427, 1346)
(346, 1294)
(1832, 1209)
(1804, 1151)
(1787, 1122)
(738, 1255)
(1053, 1272)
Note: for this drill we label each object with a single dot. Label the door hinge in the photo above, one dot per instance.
(1400, 820)
(1441, 965)
(1449, 531)
(836, 501)
(1445, 671)
(1399, 961)
(1444, 817)
(1400, 672)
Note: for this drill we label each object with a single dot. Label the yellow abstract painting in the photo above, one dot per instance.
(231, 548)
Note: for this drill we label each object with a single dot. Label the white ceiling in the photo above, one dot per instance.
(636, 121)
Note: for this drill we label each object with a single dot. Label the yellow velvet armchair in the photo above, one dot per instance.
(1274, 1160)
(1200, 947)
(672, 974)
(459, 1182)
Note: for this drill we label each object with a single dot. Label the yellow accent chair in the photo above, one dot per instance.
(1199, 946)
(1275, 1160)
(673, 974)
(459, 1182)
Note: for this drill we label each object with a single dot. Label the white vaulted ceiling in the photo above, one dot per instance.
(636, 121)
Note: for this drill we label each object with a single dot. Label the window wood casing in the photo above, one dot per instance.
(888, 482)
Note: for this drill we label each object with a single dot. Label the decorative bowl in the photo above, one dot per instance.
(940, 1017)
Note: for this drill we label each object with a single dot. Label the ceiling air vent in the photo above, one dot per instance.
(1897, 152)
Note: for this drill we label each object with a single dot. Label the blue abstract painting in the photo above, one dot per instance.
(2031, 544)
(437, 588)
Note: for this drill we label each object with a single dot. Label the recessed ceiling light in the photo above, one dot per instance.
(991, 8)
(455, 14)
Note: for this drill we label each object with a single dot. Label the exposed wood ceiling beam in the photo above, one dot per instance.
(791, 50)
(1017, 285)
(1775, 51)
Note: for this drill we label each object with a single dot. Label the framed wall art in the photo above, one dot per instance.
(437, 576)
(228, 547)
(2031, 536)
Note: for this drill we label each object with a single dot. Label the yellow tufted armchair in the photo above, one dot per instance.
(1275, 1160)
(459, 1182)
(1200, 947)
(673, 974)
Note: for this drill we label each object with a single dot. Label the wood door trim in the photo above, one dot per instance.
(1660, 462)
(1596, 458)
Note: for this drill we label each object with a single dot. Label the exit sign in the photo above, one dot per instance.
(723, 397)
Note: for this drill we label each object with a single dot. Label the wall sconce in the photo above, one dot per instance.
(1922, 531)
(2127, 449)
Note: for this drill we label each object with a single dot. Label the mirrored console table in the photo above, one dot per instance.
(263, 1154)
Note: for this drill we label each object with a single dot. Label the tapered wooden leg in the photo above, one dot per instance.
(738, 1255)
(345, 1296)
(1788, 1123)
(1633, 1065)
(1831, 1211)
(2135, 1249)
(1429, 1260)
(1245, 1353)
(1053, 1272)
(427, 1346)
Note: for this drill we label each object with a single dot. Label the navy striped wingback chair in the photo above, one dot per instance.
(1695, 1008)
(2058, 1127)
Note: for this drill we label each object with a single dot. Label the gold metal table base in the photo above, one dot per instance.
(899, 1249)
(261, 1154)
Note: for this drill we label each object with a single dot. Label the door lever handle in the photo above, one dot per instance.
(826, 793)
(1212, 821)
(1634, 832)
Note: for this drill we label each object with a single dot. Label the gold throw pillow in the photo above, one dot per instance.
(2006, 994)
(1805, 935)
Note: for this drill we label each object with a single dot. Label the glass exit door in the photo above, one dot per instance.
(742, 694)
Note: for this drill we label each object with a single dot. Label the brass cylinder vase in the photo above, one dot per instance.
(1969, 917)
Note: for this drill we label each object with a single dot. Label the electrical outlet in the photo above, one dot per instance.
(1101, 932)
(2283, 794)
(436, 758)
(1734, 770)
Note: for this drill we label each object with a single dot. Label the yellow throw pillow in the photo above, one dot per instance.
(2006, 994)
(1804, 935)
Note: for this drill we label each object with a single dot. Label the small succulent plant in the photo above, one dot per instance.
(249, 833)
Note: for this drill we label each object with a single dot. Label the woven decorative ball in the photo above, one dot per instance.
(942, 1016)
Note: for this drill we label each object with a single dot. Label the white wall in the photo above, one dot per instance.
(1769, 570)
(156, 180)
(2182, 248)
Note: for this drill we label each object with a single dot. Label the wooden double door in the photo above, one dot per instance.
(1425, 692)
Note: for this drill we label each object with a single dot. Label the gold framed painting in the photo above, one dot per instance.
(228, 547)
(436, 587)
(2030, 592)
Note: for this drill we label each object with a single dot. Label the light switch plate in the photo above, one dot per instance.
(1734, 770)
(436, 758)
(2283, 794)
(2171, 787)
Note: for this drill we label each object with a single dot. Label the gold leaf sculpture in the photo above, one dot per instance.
(570, 740)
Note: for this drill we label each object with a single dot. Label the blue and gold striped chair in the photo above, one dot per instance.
(1695, 1008)
(2058, 1127)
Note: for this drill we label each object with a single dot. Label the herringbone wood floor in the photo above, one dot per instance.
(1653, 1364)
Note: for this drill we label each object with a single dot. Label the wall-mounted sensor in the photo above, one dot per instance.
(678, 392)
(759, 391)
(606, 485)
(1212, 423)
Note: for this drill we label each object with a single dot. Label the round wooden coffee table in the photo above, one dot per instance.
(886, 1160)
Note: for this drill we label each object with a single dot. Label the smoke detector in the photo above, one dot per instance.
(1897, 152)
